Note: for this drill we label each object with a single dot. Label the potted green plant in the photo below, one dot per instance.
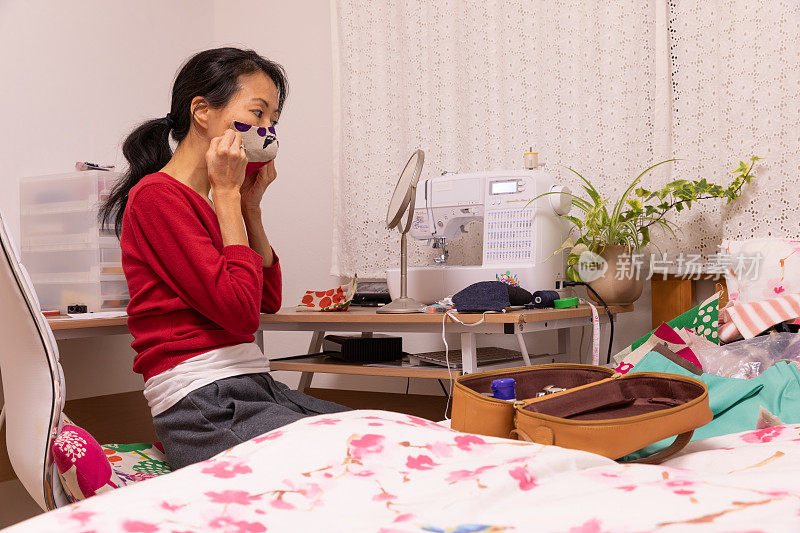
(604, 233)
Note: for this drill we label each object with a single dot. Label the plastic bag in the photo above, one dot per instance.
(748, 358)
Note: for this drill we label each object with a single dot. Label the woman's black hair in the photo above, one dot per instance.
(212, 74)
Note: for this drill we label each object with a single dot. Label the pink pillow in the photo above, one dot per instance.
(82, 464)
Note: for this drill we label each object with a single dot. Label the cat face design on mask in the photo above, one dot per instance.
(260, 142)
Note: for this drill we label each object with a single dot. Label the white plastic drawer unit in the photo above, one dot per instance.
(73, 191)
(59, 293)
(70, 258)
(67, 229)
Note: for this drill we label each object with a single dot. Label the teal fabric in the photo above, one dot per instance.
(734, 402)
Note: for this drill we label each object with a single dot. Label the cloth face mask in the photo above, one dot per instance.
(260, 144)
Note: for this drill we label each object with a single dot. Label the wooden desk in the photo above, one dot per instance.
(673, 295)
(367, 321)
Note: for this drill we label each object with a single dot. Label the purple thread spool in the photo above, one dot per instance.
(504, 389)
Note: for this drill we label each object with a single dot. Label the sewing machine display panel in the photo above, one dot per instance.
(504, 187)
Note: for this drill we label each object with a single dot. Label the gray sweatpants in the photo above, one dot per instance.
(224, 413)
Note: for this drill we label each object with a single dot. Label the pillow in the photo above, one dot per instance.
(82, 464)
(778, 271)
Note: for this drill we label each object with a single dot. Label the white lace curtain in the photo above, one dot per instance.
(736, 91)
(586, 84)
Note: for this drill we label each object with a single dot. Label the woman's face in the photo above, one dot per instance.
(255, 103)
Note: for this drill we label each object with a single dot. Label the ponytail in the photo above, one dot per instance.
(147, 150)
(212, 74)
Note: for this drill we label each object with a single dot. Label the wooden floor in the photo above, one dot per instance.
(422, 405)
(125, 417)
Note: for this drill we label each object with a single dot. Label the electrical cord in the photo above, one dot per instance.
(608, 312)
(447, 350)
(447, 361)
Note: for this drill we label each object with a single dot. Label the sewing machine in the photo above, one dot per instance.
(517, 241)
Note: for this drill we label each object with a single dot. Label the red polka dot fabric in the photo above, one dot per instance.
(337, 299)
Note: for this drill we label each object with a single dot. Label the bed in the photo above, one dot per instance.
(389, 472)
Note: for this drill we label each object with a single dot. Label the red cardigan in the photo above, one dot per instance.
(189, 293)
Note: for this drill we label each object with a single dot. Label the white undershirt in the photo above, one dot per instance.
(164, 390)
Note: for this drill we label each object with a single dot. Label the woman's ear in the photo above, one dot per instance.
(200, 108)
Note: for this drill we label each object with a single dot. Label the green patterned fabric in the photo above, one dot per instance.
(703, 320)
(136, 462)
(128, 447)
(152, 467)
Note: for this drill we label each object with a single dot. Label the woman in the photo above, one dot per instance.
(198, 262)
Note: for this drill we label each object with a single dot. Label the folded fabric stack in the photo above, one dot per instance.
(694, 328)
(746, 320)
(678, 341)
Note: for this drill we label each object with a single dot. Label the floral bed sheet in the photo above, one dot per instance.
(390, 473)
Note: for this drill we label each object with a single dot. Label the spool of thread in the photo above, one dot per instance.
(531, 159)
(504, 389)
(544, 299)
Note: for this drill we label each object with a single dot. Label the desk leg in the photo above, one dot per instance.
(305, 381)
(315, 346)
(568, 343)
(260, 340)
(469, 354)
(523, 349)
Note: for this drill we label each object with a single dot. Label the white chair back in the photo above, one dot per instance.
(33, 382)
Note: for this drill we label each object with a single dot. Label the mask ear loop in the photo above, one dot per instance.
(447, 351)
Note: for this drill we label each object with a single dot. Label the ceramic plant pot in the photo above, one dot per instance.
(611, 289)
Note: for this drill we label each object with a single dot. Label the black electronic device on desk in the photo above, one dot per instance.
(371, 294)
(358, 349)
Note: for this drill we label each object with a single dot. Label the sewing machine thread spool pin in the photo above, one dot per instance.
(531, 159)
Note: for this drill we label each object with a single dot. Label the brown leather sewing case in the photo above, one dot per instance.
(600, 411)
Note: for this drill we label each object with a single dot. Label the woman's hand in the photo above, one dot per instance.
(255, 184)
(226, 162)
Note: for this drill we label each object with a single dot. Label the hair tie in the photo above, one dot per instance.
(170, 121)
